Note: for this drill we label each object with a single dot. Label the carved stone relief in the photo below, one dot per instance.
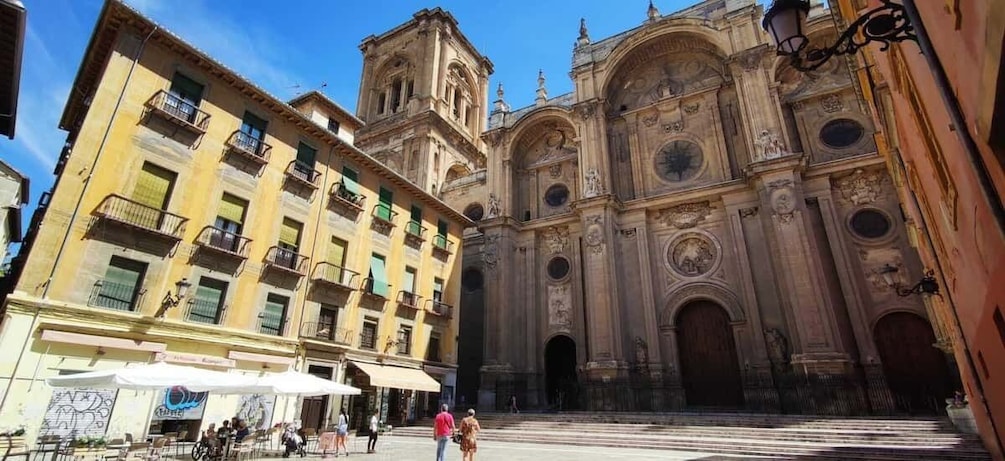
(495, 206)
(641, 355)
(861, 188)
(685, 216)
(559, 306)
(593, 185)
(748, 212)
(555, 170)
(692, 255)
(490, 254)
(778, 348)
(783, 200)
(832, 103)
(768, 146)
(594, 236)
(676, 126)
(691, 109)
(557, 239)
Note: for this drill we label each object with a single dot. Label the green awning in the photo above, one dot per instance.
(350, 180)
(379, 274)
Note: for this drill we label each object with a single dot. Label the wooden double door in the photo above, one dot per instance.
(709, 369)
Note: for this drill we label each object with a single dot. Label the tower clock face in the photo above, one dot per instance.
(678, 161)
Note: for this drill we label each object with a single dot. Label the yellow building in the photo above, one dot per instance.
(197, 219)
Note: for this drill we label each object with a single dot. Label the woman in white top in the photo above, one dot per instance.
(342, 432)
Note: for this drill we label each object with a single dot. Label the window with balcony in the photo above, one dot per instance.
(408, 295)
(289, 243)
(303, 168)
(152, 193)
(349, 188)
(440, 241)
(405, 340)
(229, 223)
(438, 290)
(334, 270)
(414, 227)
(377, 282)
(184, 98)
(251, 137)
(207, 304)
(433, 348)
(273, 317)
(327, 320)
(385, 203)
(368, 337)
(120, 288)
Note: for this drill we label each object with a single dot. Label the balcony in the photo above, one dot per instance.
(249, 147)
(121, 210)
(223, 243)
(415, 234)
(383, 219)
(408, 299)
(322, 331)
(288, 261)
(271, 325)
(367, 288)
(342, 196)
(442, 246)
(179, 112)
(337, 277)
(441, 309)
(303, 175)
(117, 296)
(208, 312)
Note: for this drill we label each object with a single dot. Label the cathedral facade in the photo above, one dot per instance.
(695, 225)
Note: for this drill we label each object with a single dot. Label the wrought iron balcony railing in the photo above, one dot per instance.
(343, 195)
(269, 324)
(115, 295)
(383, 218)
(286, 260)
(228, 243)
(408, 299)
(250, 147)
(303, 174)
(137, 215)
(203, 311)
(179, 111)
(441, 309)
(368, 287)
(415, 230)
(335, 275)
(442, 243)
(325, 331)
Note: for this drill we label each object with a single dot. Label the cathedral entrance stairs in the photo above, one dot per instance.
(770, 436)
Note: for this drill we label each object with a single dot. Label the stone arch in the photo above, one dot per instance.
(456, 171)
(540, 143)
(675, 299)
(901, 307)
(530, 128)
(393, 84)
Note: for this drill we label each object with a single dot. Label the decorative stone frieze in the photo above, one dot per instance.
(557, 239)
(860, 188)
(783, 200)
(685, 216)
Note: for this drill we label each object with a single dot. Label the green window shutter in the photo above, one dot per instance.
(350, 180)
(122, 280)
(441, 228)
(289, 233)
(232, 209)
(153, 186)
(208, 300)
(273, 314)
(187, 89)
(306, 154)
(379, 274)
(409, 282)
(384, 206)
(415, 223)
(336, 252)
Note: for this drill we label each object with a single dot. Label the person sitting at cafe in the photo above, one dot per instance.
(242, 431)
(224, 430)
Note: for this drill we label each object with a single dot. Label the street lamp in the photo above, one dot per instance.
(785, 21)
(927, 285)
(181, 288)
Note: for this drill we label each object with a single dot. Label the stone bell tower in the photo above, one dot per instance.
(423, 96)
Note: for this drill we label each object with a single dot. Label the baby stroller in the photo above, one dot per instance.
(293, 440)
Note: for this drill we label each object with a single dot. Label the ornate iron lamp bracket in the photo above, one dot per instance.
(886, 24)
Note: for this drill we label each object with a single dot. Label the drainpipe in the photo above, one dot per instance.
(76, 210)
(960, 127)
(973, 154)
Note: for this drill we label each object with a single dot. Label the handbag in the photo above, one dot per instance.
(456, 438)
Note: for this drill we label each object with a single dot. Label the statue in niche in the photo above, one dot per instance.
(494, 206)
(769, 147)
(641, 354)
(593, 186)
(778, 348)
(560, 313)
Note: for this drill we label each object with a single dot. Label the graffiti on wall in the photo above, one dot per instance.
(256, 410)
(78, 412)
(180, 403)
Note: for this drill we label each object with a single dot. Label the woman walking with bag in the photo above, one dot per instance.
(342, 432)
(469, 436)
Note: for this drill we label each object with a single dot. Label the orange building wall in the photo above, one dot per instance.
(967, 35)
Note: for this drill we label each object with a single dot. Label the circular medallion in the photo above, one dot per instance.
(558, 268)
(841, 133)
(678, 161)
(693, 255)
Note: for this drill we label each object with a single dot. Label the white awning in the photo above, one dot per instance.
(398, 377)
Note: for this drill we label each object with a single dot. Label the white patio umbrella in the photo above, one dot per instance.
(156, 376)
(301, 384)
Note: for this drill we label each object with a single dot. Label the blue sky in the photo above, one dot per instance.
(293, 46)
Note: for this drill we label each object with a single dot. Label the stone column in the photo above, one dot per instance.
(592, 143)
(497, 255)
(758, 108)
(606, 358)
(779, 185)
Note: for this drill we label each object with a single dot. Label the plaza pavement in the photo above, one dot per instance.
(398, 448)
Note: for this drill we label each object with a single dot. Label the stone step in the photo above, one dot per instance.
(723, 419)
(851, 429)
(732, 446)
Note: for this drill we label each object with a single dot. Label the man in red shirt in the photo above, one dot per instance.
(443, 428)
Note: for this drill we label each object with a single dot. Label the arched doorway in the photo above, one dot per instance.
(709, 368)
(916, 372)
(560, 373)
